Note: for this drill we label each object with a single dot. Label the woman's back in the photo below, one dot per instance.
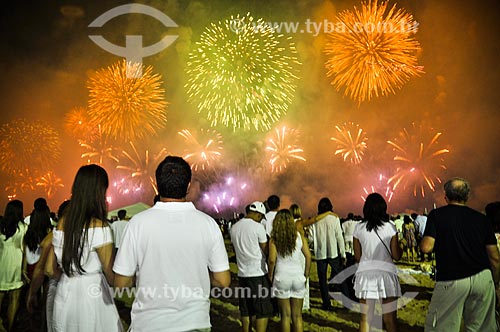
(292, 263)
(11, 257)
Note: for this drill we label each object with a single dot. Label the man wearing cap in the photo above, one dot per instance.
(250, 245)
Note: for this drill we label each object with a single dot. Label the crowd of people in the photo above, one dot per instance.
(173, 256)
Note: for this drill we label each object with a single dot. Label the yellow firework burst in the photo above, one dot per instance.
(51, 183)
(372, 53)
(282, 148)
(127, 105)
(419, 158)
(28, 147)
(242, 74)
(100, 150)
(351, 142)
(203, 151)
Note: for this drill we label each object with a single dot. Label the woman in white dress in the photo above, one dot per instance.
(12, 231)
(375, 242)
(296, 212)
(83, 248)
(287, 251)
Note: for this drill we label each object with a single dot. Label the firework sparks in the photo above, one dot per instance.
(99, 151)
(142, 168)
(380, 187)
(128, 107)
(351, 142)
(51, 183)
(242, 74)
(226, 195)
(283, 149)
(28, 147)
(419, 158)
(78, 125)
(202, 154)
(374, 55)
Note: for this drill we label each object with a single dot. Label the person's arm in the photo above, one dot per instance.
(427, 244)
(300, 227)
(396, 250)
(220, 279)
(106, 256)
(271, 260)
(312, 220)
(307, 255)
(494, 257)
(121, 281)
(51, 269)
(38, 274)
(264, 246)
(357, 249)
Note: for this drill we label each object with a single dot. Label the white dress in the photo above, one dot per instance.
(84, 302)
(11, 259)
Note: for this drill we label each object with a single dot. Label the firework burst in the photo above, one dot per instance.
(380, 187)
(51, 183)
(351, 142)
(374, 54)
(419, 158)
(200, 155)
(100, 150)
(227, 195)
(28, 147)
(127, 106)
(142, 168)
(242, 74)
(283, 149)
(78, 125)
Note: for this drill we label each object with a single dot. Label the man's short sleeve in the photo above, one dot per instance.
(430, 227)
(126, 258)
(218, 260)
(261, 234)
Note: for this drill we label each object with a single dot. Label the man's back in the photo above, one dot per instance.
(328, 237)
(461, 235)
(118, 227)
(246, 235)
(173, 246)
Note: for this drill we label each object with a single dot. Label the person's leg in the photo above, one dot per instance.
(389, 314)
(322, 267)
(336, 266)
(245, 323)
(285, 312)
(367, 311)
(261, 324)
(2, 294)
(13, 306)
(296, 311)
(479, 308)
(447, 305)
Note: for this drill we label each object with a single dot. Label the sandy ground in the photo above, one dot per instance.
(225, 313)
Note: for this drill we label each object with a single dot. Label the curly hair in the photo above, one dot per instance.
(284, 233)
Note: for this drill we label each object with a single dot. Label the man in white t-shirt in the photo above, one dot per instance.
(118, 227)
(273, 202)
(348, 227)
(250, 245)
(175, 253)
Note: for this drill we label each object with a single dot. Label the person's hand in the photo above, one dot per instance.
(31, 302)
(344, 261)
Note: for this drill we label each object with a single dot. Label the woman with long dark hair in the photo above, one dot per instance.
(375, 242)
(83, 247)
(12, 231)
(287, 271)
(38, 228)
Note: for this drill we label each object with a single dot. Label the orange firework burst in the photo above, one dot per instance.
(372, 54)
(100, 150)
(200, 155)
(28, 147)
(351, 142)
(419, 158)
(51, 183)
(282, 148)
(127, 106)
(142, 168)
(78, 125)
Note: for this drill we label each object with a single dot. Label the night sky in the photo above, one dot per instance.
(47, 57)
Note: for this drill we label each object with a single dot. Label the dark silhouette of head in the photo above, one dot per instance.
(40, 203)
(63, 208)
(273, 202)
(375, 211)
(324, 205)
(39, 227)
(12, 216)
(457, 190)
(492, 211)
(122, 214)
(173, 176)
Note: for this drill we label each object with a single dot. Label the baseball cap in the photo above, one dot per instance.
(258, 207)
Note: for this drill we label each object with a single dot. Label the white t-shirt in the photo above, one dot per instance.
(348, 227)
(171, 248)
(292, 264)
(374, 256)
(246, 235)
(118, 227)
(269, 221)
(327, 237)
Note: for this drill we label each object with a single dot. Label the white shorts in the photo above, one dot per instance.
(289, 286)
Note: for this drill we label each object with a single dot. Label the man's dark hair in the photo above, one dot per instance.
(273, 202)
(457, 190)
(172, 177)
(325, 205)
(121, 214)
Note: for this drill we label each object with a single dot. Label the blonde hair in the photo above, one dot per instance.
(284, 233)
(296, 211)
